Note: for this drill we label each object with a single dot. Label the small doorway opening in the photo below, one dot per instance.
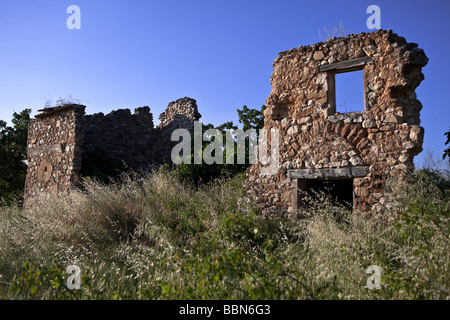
(340, 190)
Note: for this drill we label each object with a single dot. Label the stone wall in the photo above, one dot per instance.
(179, 114)
(61, 138)
(133, 138)
(123, 136)
(184, 109)
(316, 142)
(54, 151)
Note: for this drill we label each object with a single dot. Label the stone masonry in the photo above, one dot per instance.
(356, 151)
(54, 151)
(317, 143)
(60, 138)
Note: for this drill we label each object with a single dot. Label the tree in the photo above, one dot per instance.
(204, 173)
(447, 151)
(251, 118)
(13, 156)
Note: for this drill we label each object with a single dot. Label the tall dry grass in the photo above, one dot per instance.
(159, 238)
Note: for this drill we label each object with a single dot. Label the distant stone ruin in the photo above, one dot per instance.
(351, 154)
(60, 139)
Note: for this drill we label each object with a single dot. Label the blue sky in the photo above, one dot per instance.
(128, 54)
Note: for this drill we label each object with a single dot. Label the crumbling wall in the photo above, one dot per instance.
(123, 136)
(61, 139)
(179, 114)
(54, 151)
(133, 137)
(316, 142)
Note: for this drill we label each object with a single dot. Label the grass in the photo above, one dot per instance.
(159, 238)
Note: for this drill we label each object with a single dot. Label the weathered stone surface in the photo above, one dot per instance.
(54, 155)
(293, 130)
(318, 55)
(385, 136)
(60, 138)
(46, 149)
(409, 145)
(368, 124)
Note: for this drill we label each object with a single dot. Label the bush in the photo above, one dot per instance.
(157, 237)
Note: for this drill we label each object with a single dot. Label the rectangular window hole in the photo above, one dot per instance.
(349, 91)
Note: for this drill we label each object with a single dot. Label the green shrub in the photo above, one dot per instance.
(157, 237)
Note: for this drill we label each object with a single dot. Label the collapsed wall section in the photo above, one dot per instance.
(318, 143)
(132, 138)
(180, 114)
(122, 136)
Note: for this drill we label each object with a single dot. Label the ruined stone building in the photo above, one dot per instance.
(60, 140)
(319, 144)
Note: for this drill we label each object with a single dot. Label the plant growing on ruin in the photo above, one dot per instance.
(334, 32)
(62, 101)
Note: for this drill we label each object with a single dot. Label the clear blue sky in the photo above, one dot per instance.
(220, 52)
